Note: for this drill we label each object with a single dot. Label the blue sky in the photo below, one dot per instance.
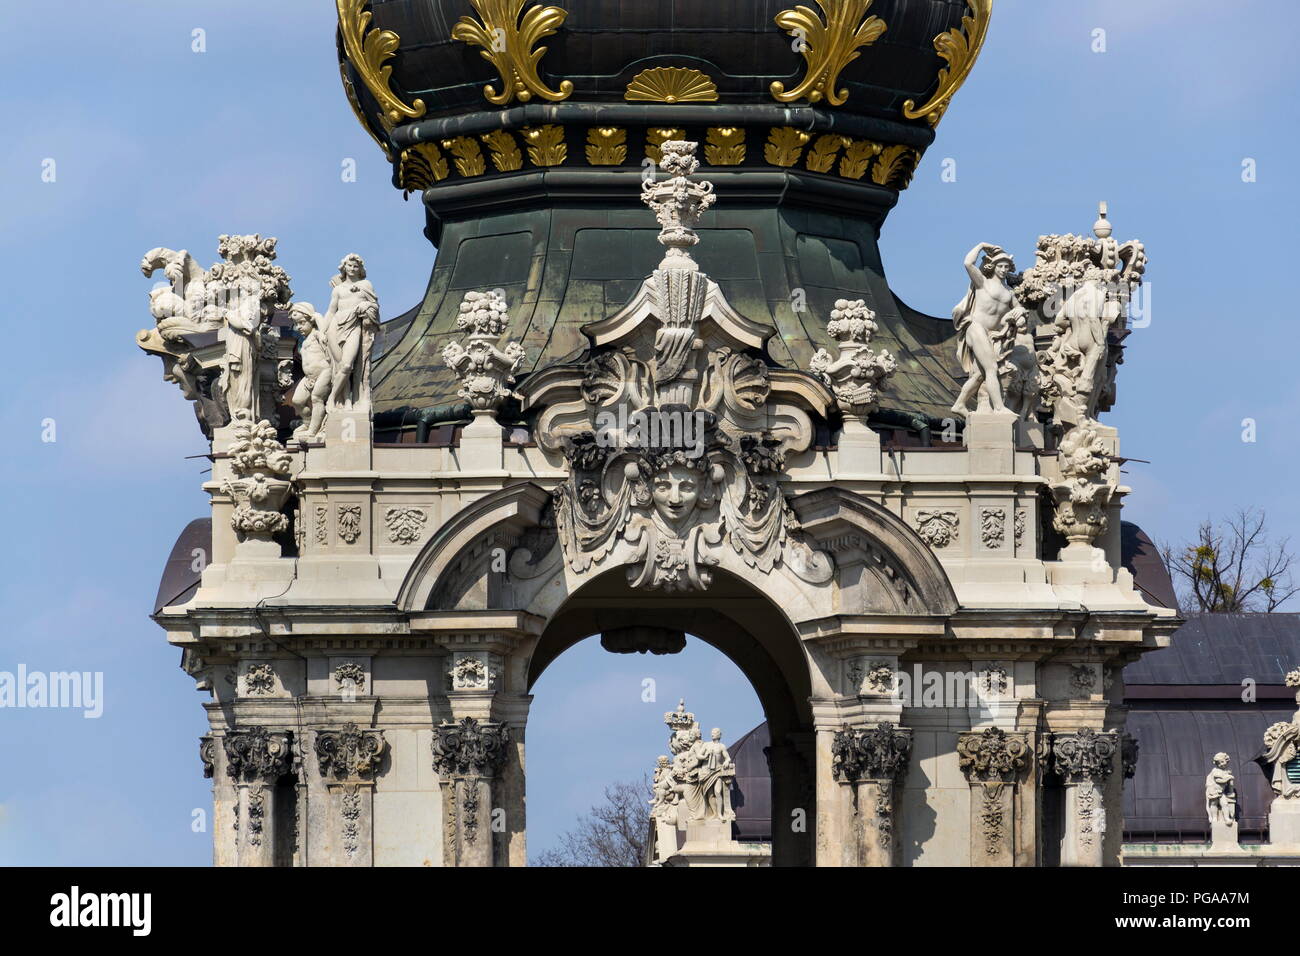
(155, 144)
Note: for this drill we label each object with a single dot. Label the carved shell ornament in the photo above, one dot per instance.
(509, 43)
(671, 84)
(828, 43)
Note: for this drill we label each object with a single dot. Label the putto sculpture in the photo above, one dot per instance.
(1221, 793)
(312, 393)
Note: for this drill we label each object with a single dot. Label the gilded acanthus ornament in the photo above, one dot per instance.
(509, 43)
(858, 374)
(606, 146)
(725, 146)
(368, 50)
(828, 43)
(486, 372)
(504, 151)
(349, 753)
(960, 48)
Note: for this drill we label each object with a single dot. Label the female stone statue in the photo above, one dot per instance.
(980, 327)
(313, 390)
(350, 323)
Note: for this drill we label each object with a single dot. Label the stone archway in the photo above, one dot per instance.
(494, 588)
(747, 627)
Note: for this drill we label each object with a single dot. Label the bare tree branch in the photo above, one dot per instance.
(1232, 567)
(613, 833)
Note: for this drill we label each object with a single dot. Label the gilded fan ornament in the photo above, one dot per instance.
(508, 43)
(671, 84)
(960, 48)
(368, 51)
(828, 43)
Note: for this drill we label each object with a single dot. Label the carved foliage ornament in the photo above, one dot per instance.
(350, 753)
(509, 43)
(828, 43)
(960, 48)
(993, 755)
(258, 754)
(486, 372)
(261, 465)
(858, 374)
(469, 748)
(405, 525)
(937, 528)
(874, 753)
(1085, 756)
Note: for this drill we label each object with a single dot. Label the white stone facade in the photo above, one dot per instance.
(432, 585)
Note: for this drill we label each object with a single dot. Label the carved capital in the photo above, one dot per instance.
(469, 748)
(874, 753)
(1083, 757)
(992, 755)
(258, 754)
(350, 753)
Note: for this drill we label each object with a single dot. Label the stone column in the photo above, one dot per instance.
(349, 759)
(466, 756)
(993, 762)
(870, 765)
(1084, 761)
(256, 759)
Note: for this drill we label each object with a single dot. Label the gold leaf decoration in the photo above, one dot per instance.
(821, 158)
(656, 136)
(895, 162)
(504, 151)
(546, 145)
(606, 146)
(857, 157)
(828, 43)
(961, 48)
(725, 146)
(784, 145)
(508, 43)
(368, 51)
(671, 84)
(351, 92)
(469, 158)
(420, 167)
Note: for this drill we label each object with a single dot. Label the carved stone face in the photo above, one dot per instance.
(1002, 269)
(675, 492)
(716, 735)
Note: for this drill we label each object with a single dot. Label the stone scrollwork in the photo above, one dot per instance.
(859, 373)
(873, 753)
(258, 754)
(509, 43)
(485, 371)
(471, 673)
(677, 446)
(992, 755)
(469, 747)
(349, 753)
(1085, 756)
(828, 43)
(259, 679)
(208, 754)
(960, 48)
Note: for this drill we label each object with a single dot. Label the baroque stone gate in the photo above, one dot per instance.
(936, 628)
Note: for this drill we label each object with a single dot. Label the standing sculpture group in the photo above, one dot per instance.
(1074, 303)
(237, 299)
(694, 785)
